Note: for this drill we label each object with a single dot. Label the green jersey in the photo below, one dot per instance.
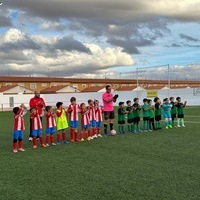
(180, 108)
(173, 109)
(137, 109)
(157, 109)
(121, 114)
(151, 112)
(146, 109)
(130, 114)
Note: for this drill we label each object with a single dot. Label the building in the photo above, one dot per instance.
(79, 84)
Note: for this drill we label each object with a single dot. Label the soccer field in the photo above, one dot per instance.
(161, 165)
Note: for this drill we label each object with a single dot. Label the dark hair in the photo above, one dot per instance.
(171, 98)
(165, 99)
(58, 104)
(81, 105)
(178, 98)
(48, 108)
(72, 99)
(149, 100)
(15, 110)
(155, 99)
(127, 102)
(135, 99)
(89, 101)
(145, 100)
(107, 86)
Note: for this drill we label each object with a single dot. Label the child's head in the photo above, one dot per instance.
(136, 100)
(178, 99)
(149, 101)
(165, 100)
(33, 110)
(48, 108)
(145, 100)
(171, 99)
(121, 104)
(73, 100)
(15, 110)
(128, 103)
(90, 102)
(59, 105)
(96, 102)
(156, 100)
(82, 105)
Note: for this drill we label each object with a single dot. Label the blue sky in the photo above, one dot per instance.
(98, 38)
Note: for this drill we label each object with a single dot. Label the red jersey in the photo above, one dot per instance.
(19, 120)
(92, 114)
(50, 120)
(73, 110)
(85, 120)
(99, 111)
(36, 122)
(38, 103)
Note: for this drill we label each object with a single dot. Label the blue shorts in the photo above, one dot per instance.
(50, 131)
(167, 115)
(98, 124)
(73, 124)
(18, 134)
(36, 133)
(93, 123)
(85, 126)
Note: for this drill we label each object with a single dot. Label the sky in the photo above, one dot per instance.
(100, 38)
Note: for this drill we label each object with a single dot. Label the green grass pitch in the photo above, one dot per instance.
(157, 165)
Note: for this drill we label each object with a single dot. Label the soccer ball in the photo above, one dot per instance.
(113, 132)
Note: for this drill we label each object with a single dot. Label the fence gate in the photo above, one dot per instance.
(11, 102)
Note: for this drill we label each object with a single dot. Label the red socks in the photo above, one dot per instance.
(47, 139)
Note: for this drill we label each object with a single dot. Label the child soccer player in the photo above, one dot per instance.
(173, 110)
(146, 114)
(130, 116)
(158, 107)
(19, 127)
(36, 128)
(85, 122)
(151, 115)
(121, 118)
(92, 117)
(137, 109)
(73, 111)
(167, 113)
(61, 123)
(98, 111)
(180, 112)
(50, 126)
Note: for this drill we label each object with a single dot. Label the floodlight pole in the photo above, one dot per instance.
(168, 80)
(137, 80)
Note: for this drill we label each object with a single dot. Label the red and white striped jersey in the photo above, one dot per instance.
(84, 117)
(50, 120)
(99, 111)
(35, 121)
(19, 120)
(92, 114)
(73, 110)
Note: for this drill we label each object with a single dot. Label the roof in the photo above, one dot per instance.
(126, 88)
(5, 88)
(55, 89)
(157, 87)
(93, 89)
(84, 80)
(9, 87)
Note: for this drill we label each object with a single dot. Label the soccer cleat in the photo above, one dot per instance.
(43, 145)
(183, 125)
(72, 140)
(167, 127)
(15, 151)
(88, 139)
(65, 142)
(53, 144)
(99, 135)
(170, 126)
(82, 140)
(21, 149)
(58, 143)
(95, 136)
(178, 126)
(91, 138)
(47, 145)
(34, 146)
(30, 139)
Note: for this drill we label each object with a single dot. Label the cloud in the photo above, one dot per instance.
(188, 38)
